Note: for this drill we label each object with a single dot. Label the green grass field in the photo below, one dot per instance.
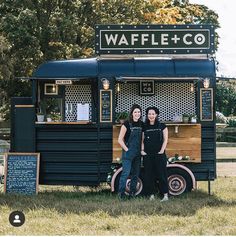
(60, 210)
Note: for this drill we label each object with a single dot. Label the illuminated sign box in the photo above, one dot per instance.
(154, 39)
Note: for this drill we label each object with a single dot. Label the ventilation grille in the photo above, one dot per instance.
(171, 99)
(74, 95)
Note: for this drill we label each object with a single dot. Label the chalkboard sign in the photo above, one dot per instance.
(206, 104)
(21, 173)
(105, 106)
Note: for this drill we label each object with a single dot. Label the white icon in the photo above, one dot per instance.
(17, 219)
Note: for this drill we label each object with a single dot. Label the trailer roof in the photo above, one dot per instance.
(132, 67)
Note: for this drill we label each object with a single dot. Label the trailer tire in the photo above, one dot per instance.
(179, 181)
(139, 185)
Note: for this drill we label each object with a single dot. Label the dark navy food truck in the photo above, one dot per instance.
(72, 117)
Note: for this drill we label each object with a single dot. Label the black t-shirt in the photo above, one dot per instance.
(153, 137)
(134, 124)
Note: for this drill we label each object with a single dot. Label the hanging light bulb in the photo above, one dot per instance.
(206, 83)
(53, 88)
(105, 83)
(118, 87)
(192, 87)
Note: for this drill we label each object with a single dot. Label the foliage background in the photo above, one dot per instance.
(34, 31)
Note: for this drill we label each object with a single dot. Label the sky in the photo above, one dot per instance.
(226, 53)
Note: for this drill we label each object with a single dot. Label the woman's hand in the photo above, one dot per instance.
(143, 153)
(160, 152)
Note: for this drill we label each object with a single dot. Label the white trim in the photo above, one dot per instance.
(157, 78)
(114, 178)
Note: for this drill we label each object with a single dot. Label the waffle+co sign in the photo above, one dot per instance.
(154, 39)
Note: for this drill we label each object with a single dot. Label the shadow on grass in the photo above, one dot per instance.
(102, 200)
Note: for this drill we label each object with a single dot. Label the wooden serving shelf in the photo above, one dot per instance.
(184, 141)
(81, 122)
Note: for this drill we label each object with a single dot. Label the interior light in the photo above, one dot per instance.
(206, 83)
(118, 87)
(105, 83)
(192, 88)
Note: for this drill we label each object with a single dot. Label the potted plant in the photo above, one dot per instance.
(56, 117)
(193, 118)
(40, 117)
(49, 118)
(122, 116)
(185, 118)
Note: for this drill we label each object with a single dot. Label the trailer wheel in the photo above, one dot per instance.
(139, 186)
(179, 181)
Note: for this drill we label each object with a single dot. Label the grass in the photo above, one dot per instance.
(61, 210)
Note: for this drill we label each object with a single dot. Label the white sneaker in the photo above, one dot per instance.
(164, 199)
(152, 197)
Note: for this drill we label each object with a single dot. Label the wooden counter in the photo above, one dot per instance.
(81, 122)
(184, 140)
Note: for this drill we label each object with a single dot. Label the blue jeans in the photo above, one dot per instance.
(130, 167)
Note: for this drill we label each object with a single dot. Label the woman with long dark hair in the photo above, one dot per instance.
(130, 139)
(155, 136)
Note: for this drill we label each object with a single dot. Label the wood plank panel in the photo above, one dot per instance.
(187, 142)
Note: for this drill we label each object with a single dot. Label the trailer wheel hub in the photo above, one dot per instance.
(177, 184)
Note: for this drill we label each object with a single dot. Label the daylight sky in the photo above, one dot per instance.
(226, 54)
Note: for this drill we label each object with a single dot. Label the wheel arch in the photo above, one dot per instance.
(186, 169)
(117, 172)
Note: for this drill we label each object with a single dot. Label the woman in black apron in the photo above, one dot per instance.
(130, 138)
(153, 151)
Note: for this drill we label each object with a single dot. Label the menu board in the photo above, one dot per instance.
(206, 104)
(21, 173)
(105, 106)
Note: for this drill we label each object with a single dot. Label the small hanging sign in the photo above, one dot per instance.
(64, 82)
(146, 87)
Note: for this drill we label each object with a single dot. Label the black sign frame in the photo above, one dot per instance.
(105, 106)
(146, 87)
(157, 39)
(36, 159)
(206, 94)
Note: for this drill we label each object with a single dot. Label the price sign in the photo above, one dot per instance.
(21, 173)
(105, 106)
(206, 104)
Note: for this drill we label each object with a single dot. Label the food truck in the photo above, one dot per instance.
(71, 119)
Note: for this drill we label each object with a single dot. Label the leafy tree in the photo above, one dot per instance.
(226, 98)
(34, 31)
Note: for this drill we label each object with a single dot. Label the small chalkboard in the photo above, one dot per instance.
(206, 104)
(105, 106)
(21, 173)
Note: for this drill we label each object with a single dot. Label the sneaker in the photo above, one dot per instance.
(164, 199)
(152, 197)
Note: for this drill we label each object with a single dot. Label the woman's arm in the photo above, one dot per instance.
(143, 153)
(121, 138)
(165, 140)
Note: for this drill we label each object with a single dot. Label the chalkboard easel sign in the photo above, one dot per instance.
(21, 173)
(206, 104)
(105, 106)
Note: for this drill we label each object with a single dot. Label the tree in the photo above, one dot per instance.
(226, 98)
(40, 30)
